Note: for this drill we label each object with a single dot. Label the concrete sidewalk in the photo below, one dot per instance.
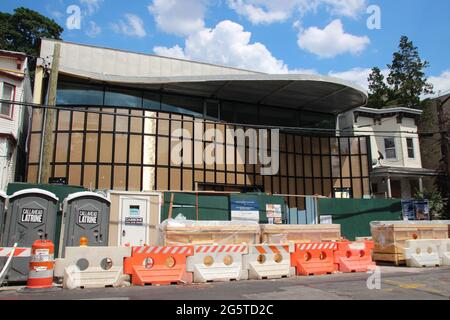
(396, 283)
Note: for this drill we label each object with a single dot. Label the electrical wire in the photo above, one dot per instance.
(382, 133)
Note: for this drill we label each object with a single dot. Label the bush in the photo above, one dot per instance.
(436, 203)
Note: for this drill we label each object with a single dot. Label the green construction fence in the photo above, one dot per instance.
(215, 207)
(355, 215)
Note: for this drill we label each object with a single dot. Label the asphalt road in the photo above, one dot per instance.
(396, 283)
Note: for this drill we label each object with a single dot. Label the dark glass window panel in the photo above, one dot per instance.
(77, 94)
(152, 101)
(227, 112)
(317, 120)
(123, 98)
(182, 104)
(246, 113)
(278, 117)
(212, 109)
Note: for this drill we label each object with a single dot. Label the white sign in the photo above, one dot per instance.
(326, 219)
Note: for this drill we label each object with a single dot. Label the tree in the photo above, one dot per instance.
(406, 82)
(407, 77)
(379, 91)
(436, 203)
(22, 30)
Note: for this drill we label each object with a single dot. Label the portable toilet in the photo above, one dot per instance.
(31, 216)
(3, 198)
(85, 214)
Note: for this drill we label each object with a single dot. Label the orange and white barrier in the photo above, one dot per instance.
(217, 263)
(41, 265)
(354, 256)
(158, 265)
(269, 261)
(314, 258)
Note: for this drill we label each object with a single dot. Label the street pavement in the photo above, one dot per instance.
(396, 283)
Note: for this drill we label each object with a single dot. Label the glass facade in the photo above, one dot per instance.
(74, 94)
(111, 147)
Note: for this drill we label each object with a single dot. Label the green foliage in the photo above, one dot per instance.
(22, 30)
(406, 82)
(380, 91)
(436, 202)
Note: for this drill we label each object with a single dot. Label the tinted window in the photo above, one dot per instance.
(317, 120)
(123, 98)
(278, 117)
(182, 104)
(152, 101)
(76, 94)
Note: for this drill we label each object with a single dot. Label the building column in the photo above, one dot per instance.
(389, 190)
(420, 184)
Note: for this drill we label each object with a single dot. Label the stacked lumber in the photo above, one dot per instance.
(298, 233)
(218, 233)
(390, 237)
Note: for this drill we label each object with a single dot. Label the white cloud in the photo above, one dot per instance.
(346, 8)
(270, 11)
(134, 26)
(358, 76)
(227, 44)
(174, 52)
(93, 30)
(92, 5)
(331, 41)
(180, 17)
(441, 83)
(304, 71)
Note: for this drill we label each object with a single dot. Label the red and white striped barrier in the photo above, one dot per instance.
(162, 250)
(217, 263)
(317, 246)
(18, 252)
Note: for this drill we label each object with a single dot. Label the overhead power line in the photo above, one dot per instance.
(381, 133)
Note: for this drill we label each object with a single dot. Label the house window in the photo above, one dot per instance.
(410, 144)
(7, 94)
(389, 148)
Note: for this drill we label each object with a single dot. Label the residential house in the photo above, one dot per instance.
(14, 119)
(396, 160)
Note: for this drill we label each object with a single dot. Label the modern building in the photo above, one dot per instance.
(117, 112)
(14, 119)
(397, 170)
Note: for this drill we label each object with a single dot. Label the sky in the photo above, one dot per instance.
(341, 38)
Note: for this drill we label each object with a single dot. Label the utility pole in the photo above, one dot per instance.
(48, 136)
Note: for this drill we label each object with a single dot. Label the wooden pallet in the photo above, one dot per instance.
(396, 259)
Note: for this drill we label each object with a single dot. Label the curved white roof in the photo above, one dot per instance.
(82, 194)
(297, 91)
(34, 190)
(3, 195)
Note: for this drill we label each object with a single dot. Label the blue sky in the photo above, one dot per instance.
(329, 37)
